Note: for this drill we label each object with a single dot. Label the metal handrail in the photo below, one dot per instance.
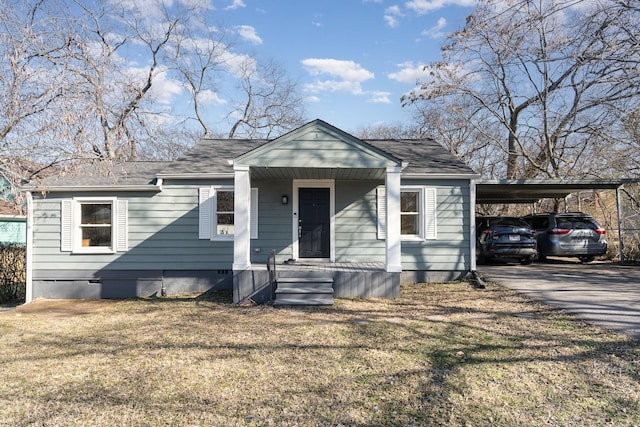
(271, 267)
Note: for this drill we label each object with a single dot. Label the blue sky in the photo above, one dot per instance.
(352, 59)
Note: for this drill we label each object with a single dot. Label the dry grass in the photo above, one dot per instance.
(440, 355)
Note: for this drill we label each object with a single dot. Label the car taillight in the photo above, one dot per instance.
(559, 231)
(488, 232)
(600, 230)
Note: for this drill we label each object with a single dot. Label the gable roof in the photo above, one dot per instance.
(318, 144)
(215, 157)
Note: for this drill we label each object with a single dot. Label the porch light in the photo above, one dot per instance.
(284, 199)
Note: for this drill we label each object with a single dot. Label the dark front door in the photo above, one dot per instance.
(314, 223)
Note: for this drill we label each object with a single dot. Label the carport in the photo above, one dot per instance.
(506, 191)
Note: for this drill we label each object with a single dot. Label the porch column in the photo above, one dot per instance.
(393, 259)
(242, 220)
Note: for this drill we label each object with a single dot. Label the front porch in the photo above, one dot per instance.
(349, 279)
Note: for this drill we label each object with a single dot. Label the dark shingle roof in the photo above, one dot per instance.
(211, 156)
(109, 174)
(423, 155)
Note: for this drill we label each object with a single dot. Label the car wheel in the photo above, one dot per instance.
(526, 260)
(586, 258)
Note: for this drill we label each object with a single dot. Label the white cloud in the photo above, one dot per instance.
(410, 73)
(425, 6)
(380, 97)
(247, 32)
(334, 86)
(436, 32)
(236, 5)
(164, 90)
(391, 21)
(209, 97)
(237, 64)
(345, 70)
(344, 76)
(317, 20)
(391, 15)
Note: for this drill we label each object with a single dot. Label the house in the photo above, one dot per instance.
(12, 224)
(14, 171)
(356, 216)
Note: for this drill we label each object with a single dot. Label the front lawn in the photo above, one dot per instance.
(439, 355)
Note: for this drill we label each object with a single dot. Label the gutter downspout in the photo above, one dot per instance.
(29, 252)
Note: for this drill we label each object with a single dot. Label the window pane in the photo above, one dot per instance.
(409, 224)
(225, 224)
(96, 236)
(96, 213)
(409, 201)
(225, 201)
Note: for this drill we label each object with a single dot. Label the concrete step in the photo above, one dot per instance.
(305, 280)
(303, 299)
(304, 291)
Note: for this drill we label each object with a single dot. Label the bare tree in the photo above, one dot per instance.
(84, 82)
(389, 131)
(556, 76)
(470, 141)
(271, 103)
(111, 89)
(33, 84)
(198, 58)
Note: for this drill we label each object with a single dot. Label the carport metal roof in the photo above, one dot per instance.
(491, 191)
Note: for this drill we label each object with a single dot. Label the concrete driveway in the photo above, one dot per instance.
(602, 294)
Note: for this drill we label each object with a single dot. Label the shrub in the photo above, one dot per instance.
(13, 273)
(631, 248)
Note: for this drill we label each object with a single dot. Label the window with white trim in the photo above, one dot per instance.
(216, 213)
(223, 216)
(93, 225)
(411, 213)
(418, 212)
(96, 220)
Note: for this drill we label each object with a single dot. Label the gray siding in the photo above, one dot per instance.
(163, 231)
(274, 222)
(356, 222)
(164, 247)
(356, 227)
(451, 250)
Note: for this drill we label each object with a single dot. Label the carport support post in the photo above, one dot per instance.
(619, 212)
(472, 217)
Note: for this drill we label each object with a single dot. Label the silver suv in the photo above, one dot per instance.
(568, 235)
